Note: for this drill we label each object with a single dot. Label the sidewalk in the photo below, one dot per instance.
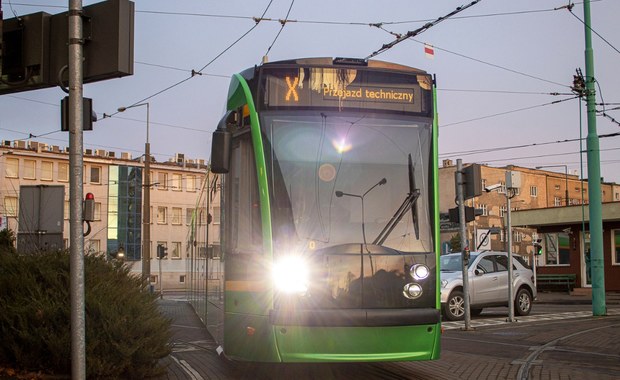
(580, 296)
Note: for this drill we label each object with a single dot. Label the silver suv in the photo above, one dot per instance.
(488, 283)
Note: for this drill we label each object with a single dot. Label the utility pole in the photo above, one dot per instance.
(76, 191)
(511, 297)
(464, 247)
(594, 179)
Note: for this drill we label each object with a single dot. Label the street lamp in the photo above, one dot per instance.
(146, 204)
(509, 194)
(565, 175)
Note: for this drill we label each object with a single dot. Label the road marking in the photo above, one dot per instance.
(192, 373)
(530, 318)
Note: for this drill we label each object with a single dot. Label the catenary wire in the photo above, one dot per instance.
(283, 22)
(508, 112)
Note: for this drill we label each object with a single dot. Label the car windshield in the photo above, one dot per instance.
(453, 263)
(341, 178)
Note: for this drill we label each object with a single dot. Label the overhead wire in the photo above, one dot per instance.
(283, 22)
(531, 145)
(199, 72)
(508, 112)
(420, 30)
(570, 9)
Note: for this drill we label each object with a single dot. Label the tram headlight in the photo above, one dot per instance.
(419, 271)
(291, 275)
(412, 291)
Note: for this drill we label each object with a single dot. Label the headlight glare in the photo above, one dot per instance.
(291, 275)
(419, 271)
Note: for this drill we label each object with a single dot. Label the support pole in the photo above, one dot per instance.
(76, 192)
(511, 297)
(594, 179)
(464, 247)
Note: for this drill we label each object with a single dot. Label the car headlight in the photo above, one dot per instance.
(444, 283)
(291, 275)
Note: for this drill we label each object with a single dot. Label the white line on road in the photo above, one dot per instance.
(192, 373)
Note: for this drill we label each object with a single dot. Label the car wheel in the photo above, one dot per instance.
(454, 309)
(475, 312)
(523, 302)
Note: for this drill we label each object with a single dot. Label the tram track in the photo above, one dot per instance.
(524, 369)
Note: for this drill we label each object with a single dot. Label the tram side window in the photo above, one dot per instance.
(245, 222)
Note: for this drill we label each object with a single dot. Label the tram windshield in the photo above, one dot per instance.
(341, 178)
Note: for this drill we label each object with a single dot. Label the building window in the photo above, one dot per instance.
(557, 201)
(30, 169)
(175, 183)
(517, 237)
(94, 247)
(502, 211)
(95, 174)
(615, 244)
(203, 216)
(482, 208)
(502, 235)
(176, 250)
(177, 213)
(162, 179)
(556, 248)
(63, 172)
(190, 183)
(66, 210)
(97, 215)
(162, 214)
(216, 214)
(182, 279)
(502, 189)
(10, 206)
(11, 168)
(557, 187)
(47, 171)
(533, 191)
(189, 214)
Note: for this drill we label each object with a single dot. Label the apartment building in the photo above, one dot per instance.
(547, 206)
(116, 181)
(539, 189)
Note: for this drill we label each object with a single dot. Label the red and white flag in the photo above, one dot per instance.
(429, 51)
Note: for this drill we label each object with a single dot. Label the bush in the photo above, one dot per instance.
(125, 333)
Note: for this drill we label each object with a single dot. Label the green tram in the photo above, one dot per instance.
(329, 215)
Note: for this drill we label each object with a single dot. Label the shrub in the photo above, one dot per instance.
(125, 333)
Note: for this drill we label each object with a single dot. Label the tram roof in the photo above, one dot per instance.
(337, 62)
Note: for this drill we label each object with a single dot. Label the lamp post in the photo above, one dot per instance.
(565, 176)
(510, 193)
(146, 204)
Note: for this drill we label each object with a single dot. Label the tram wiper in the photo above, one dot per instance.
(340, 194)
(408, 204)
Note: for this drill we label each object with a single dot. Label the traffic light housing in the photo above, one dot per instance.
(162, 251)
(538, 249)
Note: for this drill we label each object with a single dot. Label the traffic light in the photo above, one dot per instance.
(538, 249)
(162, 251)
(88, 208)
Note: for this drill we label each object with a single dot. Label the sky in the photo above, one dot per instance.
(504, 73)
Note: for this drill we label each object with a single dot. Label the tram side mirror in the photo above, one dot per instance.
(221, 147)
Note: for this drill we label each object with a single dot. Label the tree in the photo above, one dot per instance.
(7, 241)
(455, 243)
